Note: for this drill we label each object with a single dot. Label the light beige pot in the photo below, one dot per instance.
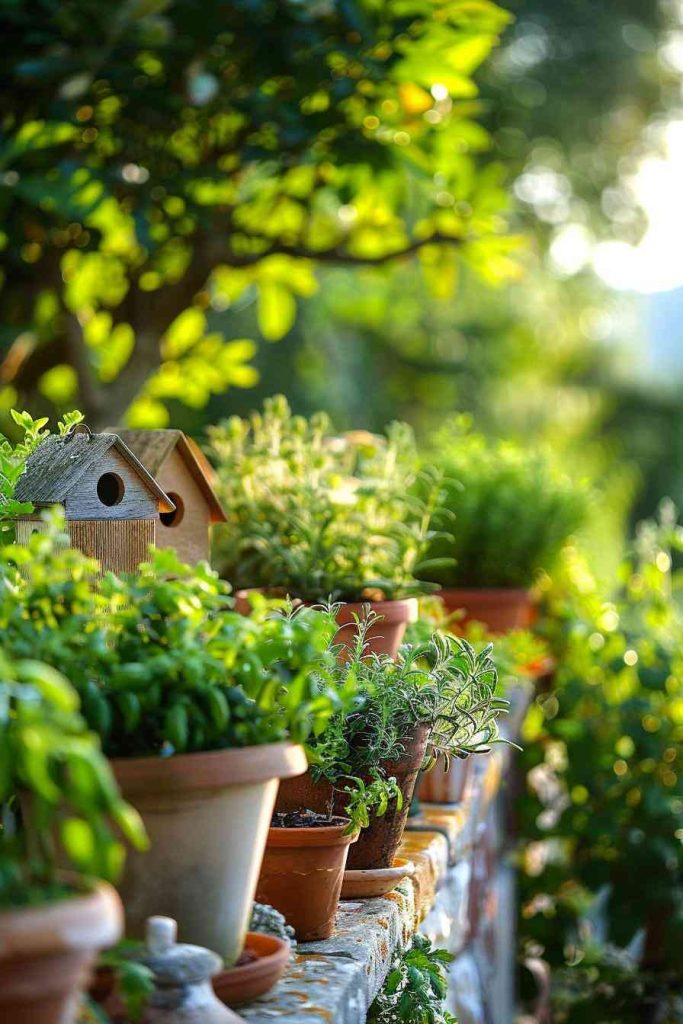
(207, 816)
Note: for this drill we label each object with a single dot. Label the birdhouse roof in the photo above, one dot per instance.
(60, 462)
(153, 447)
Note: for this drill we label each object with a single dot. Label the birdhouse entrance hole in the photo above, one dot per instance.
(175, 517)
(110, 489)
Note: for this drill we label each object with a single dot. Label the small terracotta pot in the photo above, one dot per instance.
(445, 786)
(378, 844)
(207, 816)
(302, 875)
(46, 954)
(500, 609)
(383, 638)
(248, 981)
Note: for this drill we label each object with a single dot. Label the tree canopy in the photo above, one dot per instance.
(161, 159)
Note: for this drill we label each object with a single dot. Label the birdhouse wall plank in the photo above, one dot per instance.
(188, 529)
(112, 491)
(119, 545)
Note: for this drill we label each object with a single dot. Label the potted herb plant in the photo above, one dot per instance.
(512, 511)
(60, 808)
(522, 659)
(435, 699)
(324, 518)
(198, 708)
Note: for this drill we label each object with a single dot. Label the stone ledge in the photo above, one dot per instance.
(334, 982)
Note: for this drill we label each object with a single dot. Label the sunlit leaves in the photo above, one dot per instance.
(194, 149)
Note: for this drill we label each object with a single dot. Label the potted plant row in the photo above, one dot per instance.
(397, 716)
(62, 823)
(522, 660)
(321, 518)
(512, 510)
(198, 708)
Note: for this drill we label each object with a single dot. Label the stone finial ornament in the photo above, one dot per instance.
(182, 978)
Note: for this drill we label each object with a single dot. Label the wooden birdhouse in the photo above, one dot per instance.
(180, 468)
(111, 502)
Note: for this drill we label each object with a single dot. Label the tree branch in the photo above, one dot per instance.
(335, 254)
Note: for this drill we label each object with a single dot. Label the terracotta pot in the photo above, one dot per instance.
(377, 845)
(383, 638)
(500, 609)
(46, 954)
(303, 793)
(302, 875)
(441, 786)
(386, 636)
(248, 981)
(207, 816)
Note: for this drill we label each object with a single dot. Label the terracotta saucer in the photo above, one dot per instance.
(248, 981)
(376, 881)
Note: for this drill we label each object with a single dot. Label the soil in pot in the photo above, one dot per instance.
(500, 609)
(262, 963)
(443, 785)
(207, 816)
(303, 870)
(47, 952)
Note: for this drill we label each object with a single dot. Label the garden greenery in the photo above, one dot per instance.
(603, 762)
(318, 516)
(415, 988)
(512, 507)
(13, 456)
(71, 812)
(442, 684)
(162, 663)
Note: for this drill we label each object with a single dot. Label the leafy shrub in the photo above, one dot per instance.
(318, 516)
(415, 988)
(162, 662)
(13, 456)
(603, 760)
(48, 757)
(441, 683)
(512, 510)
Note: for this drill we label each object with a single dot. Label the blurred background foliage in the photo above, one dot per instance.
(385, 210)
(182, 195)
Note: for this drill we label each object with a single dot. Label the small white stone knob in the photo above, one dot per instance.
(161, 934)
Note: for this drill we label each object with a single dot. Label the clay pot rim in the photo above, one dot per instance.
(237, 985)
(402, 867)
(510, 594)
(322, 835)
(211, 769)
(267, 947)
(82, 922)
(395, 610)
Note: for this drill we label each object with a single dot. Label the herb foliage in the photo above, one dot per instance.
(319, 516)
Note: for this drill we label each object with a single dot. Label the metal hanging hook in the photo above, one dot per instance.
(78, 428)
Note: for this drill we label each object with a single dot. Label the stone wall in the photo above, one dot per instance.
(462, 896)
